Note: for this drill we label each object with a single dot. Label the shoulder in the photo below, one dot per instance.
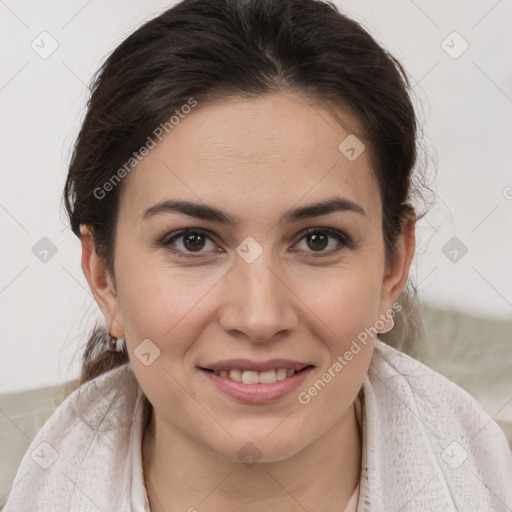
(439, 423)
(439, 397)
(85, 440)
(107, 397)
(439, 400)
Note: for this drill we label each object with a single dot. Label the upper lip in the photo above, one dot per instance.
(255, 366)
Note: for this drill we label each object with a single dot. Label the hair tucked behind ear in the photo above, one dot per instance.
(208, 50)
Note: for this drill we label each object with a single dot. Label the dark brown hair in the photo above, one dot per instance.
(212, 49)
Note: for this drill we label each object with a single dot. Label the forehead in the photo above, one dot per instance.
(254, 154)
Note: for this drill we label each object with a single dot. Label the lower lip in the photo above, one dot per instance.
(258, 393)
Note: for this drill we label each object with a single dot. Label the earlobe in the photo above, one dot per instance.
(100, 282)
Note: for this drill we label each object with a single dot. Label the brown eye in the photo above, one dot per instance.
(317, 241)
(186, 242)
(193, 241)
(324, 241)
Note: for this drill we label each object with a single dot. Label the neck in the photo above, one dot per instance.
(182, 475)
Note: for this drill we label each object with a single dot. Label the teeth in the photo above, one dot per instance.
(250, 377)
(281, 374)
(235, 375)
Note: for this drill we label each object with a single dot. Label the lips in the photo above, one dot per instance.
(245, 387)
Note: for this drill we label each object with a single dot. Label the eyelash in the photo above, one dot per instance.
(343, 239)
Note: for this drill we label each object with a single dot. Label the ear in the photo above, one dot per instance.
(397, 270)
(100, 282)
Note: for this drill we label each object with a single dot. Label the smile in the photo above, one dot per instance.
(255, 387)
(253, 377)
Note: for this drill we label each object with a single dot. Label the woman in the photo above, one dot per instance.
(241, 187)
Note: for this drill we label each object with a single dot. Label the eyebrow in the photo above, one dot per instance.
(206, 212)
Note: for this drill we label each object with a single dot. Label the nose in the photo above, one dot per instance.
(258, 304)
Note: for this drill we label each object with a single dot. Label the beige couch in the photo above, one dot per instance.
(476, 353)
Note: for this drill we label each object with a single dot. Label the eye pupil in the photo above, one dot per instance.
(317, 241)
(193, 241)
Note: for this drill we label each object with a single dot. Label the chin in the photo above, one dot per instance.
(258, 448)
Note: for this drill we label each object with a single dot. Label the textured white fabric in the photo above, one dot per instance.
(427, 446)
(139, 497)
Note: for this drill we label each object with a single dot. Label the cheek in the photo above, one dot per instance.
(167, 306)
(163, 303)
(346, 303)
(347, 309)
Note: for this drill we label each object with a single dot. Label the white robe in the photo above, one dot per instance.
(427, 446)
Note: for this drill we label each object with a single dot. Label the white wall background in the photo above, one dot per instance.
(466, 103)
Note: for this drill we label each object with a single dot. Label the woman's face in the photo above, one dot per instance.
(258, 288)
